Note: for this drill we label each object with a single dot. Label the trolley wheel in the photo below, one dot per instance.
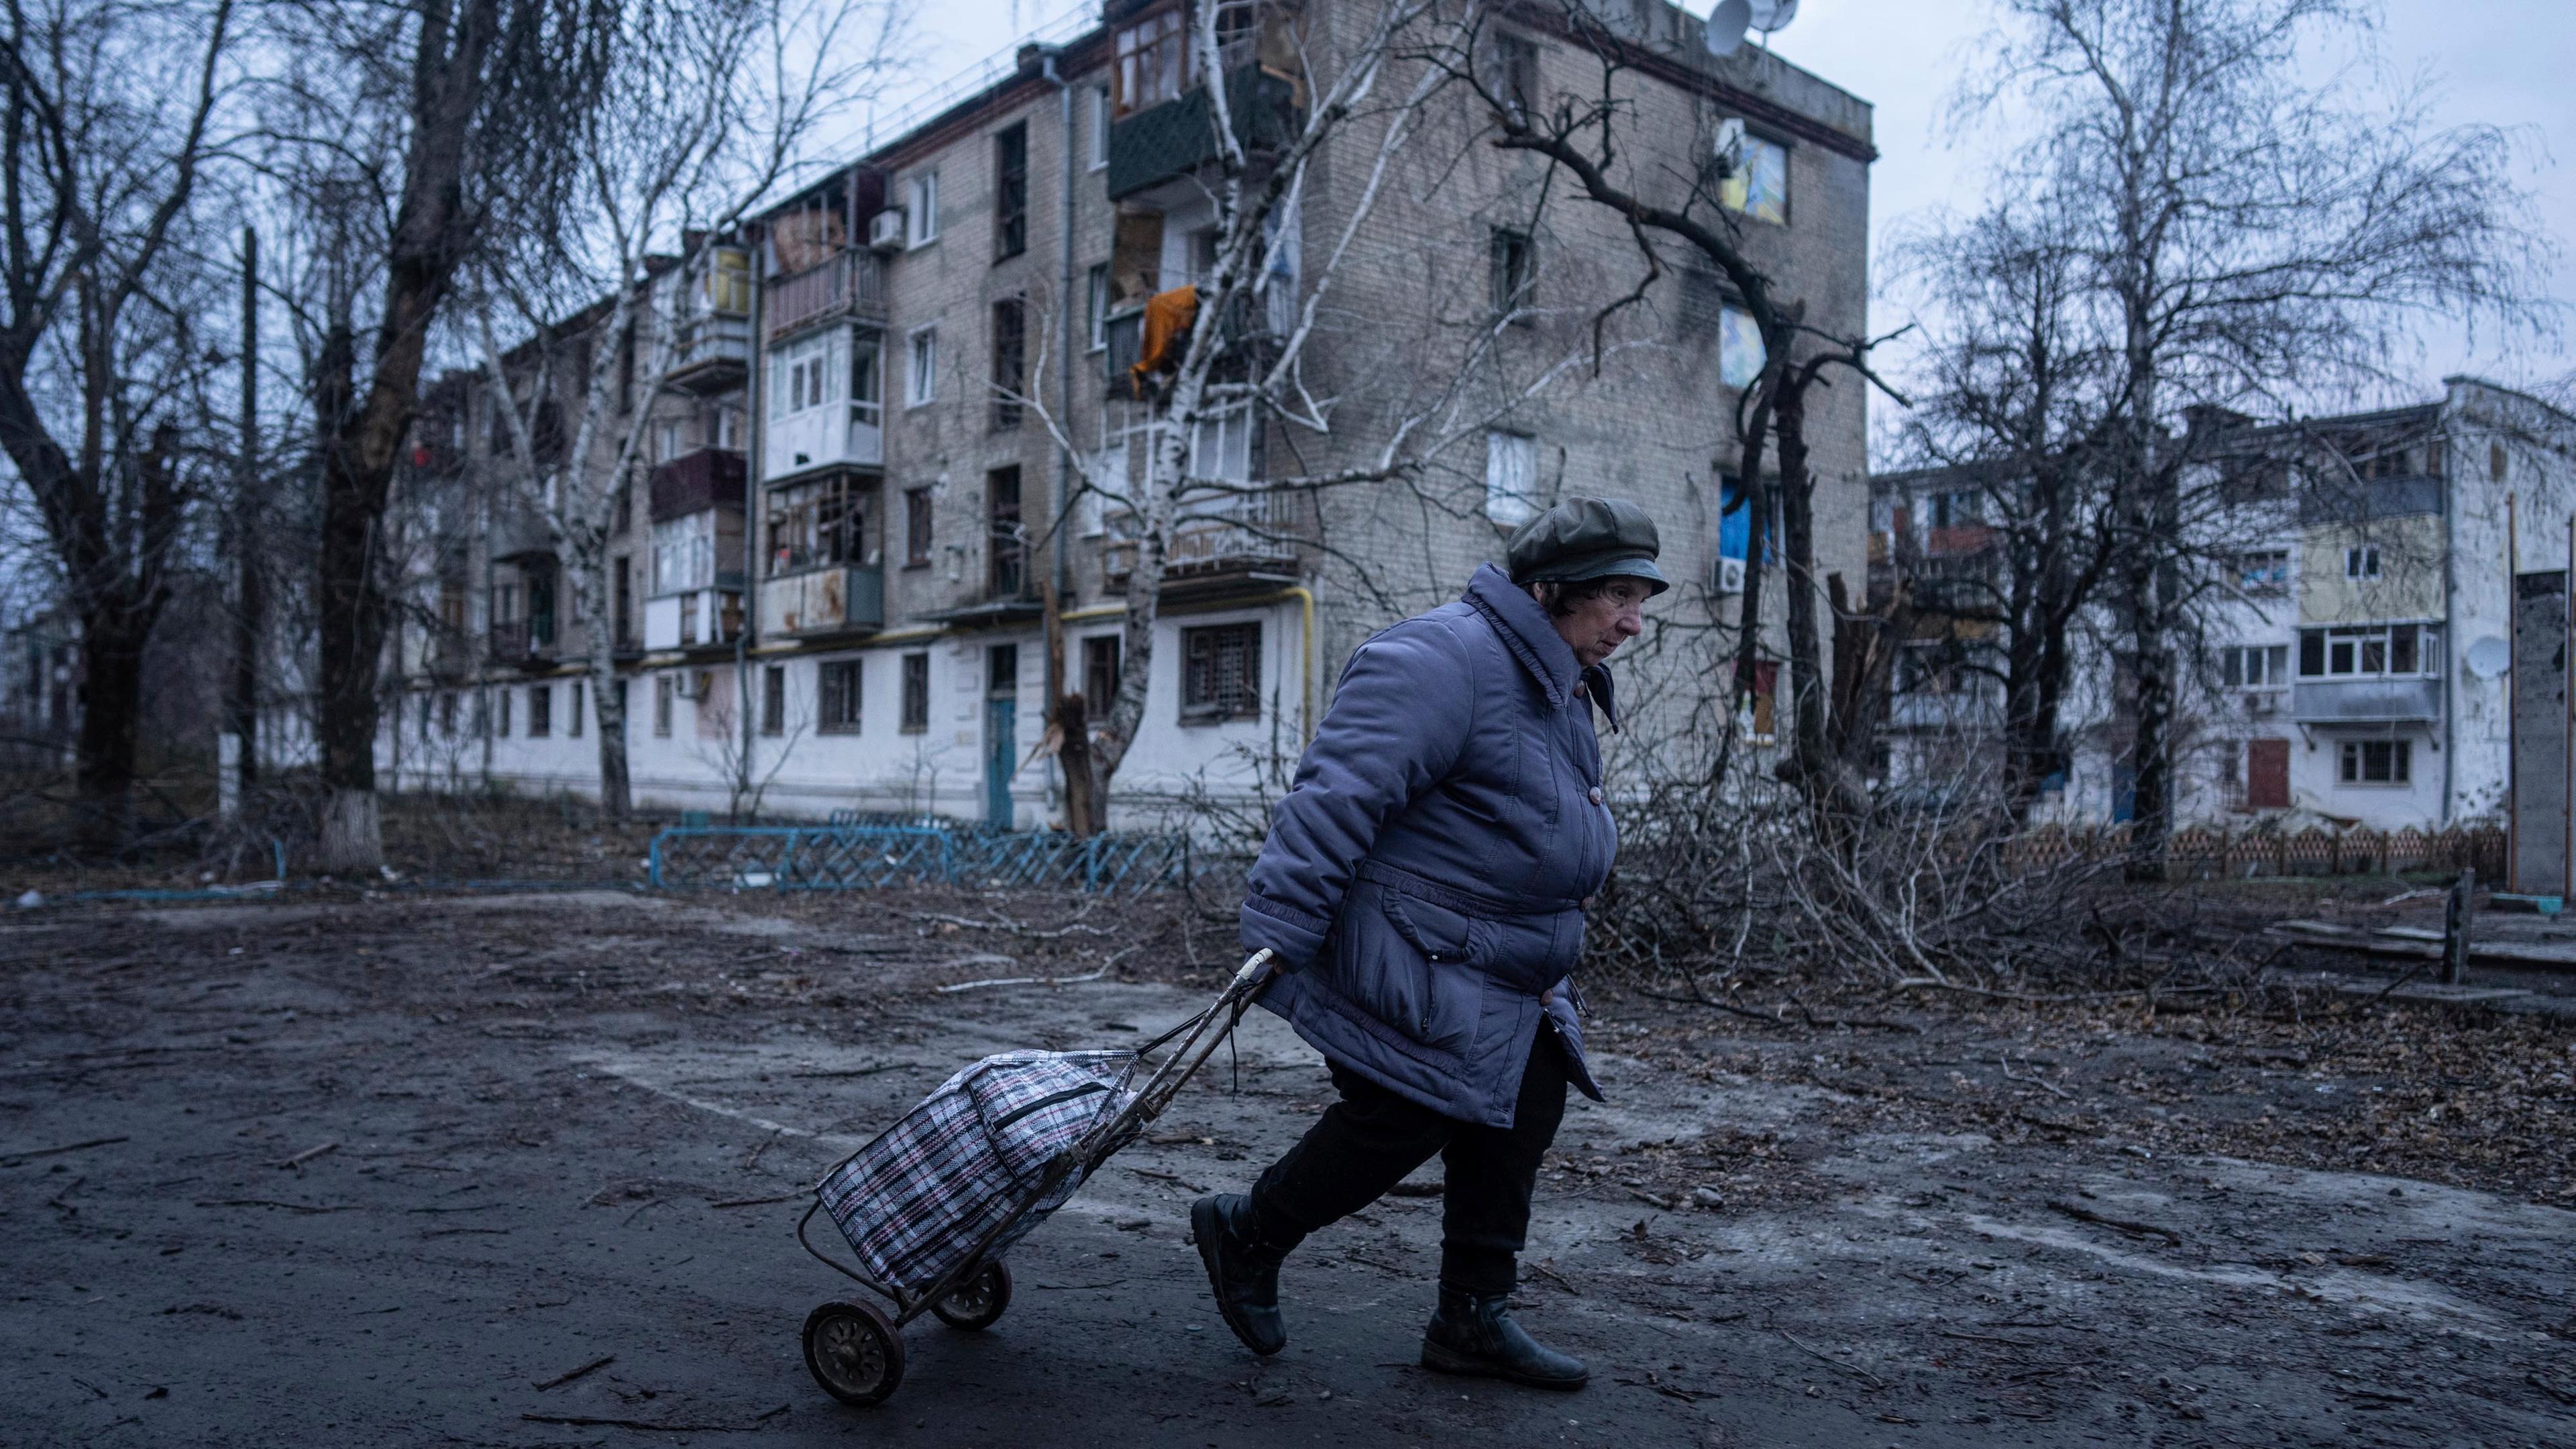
(979, 1302)
(854, 1351)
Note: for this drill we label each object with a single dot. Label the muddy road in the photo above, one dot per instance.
(524, 1170)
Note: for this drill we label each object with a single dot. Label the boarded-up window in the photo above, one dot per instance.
(2267, 774)
(1221, 673)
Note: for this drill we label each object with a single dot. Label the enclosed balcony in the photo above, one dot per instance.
(712, 353)
(1174, 138)
(697, 481)
(843, 598)
(850, 284)
(2366, 701)
(693, 617)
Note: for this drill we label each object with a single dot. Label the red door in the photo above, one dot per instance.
(2267, 774)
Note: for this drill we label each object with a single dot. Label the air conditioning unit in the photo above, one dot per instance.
(2263, 702)
(1730, 576)
(885, 230)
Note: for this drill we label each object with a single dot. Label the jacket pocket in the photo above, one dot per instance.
(1405, 963)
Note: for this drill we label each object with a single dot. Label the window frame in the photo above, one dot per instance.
(541, 710)
(2361, 561)
(1010, 191)
(2420, 640)
(1510, 273)
(921, 209)
(664, 690)
(1738, 193)
(919, 524)
(915, 702)
(1103, 655)
(1501, 446)
(1007, 331)
(1096, 306)
(2353, 767)
(1006, 560)
(921, 366)
(1204, 696)
(1101, 116)
(1166, 50)
(773, 700)
(840, 695)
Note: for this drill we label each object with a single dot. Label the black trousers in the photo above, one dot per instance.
(1369, 1140)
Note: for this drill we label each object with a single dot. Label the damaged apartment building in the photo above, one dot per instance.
(2349, 652)
(909, 402)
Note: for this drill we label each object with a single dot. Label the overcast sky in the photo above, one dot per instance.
(2509, 63)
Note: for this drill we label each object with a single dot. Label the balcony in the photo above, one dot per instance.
(521, 642)
(693, 617)
(851, 284)
(1249, 333)
(844, 598)
(850, 435)
(1223, 540)
(695, 482)
(2366, 701)
(712, 353)
(1175, 138)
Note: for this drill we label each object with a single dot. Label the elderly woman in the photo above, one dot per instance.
(1423, 890)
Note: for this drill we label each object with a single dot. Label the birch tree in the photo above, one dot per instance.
(709, 105)
(2242, 237)
(1259, 304)
(1586, 137)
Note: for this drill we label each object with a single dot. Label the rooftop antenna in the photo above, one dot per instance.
(1771, 15)
(1726, 26)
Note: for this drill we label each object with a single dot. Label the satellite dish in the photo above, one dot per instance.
(1726, 26)
(2489, 658)
(1770, 15)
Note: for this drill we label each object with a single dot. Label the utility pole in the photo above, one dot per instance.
(243, 705)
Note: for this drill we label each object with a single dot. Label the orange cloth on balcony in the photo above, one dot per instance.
(1168, 316)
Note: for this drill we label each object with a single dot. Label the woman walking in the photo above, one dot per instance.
(1423, 889)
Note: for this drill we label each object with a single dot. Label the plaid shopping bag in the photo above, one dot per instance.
(915, 1202)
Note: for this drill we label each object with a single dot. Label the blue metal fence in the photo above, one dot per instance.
(862, 856)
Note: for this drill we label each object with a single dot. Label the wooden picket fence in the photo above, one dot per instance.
(2200, 852)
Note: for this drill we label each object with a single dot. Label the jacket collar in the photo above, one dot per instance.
(1526, 631)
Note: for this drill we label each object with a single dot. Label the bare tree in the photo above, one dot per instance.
(101, 361)
(484, 97)
(2236, 236)
(708, 107)
(1586, 136)
(1239, 349)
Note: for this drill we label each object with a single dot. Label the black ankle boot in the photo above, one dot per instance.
(1473, 1333)
(1242, 1270)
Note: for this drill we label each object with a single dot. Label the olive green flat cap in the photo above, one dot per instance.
(1586, 538)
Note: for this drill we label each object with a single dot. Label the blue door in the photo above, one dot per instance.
(1001, 752)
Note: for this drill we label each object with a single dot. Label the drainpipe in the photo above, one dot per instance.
(755, 424)
(1047, 59)
(2450, 632)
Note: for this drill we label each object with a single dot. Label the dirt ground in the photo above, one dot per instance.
(323, 1171)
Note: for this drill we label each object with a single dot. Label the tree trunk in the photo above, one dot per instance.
(113, 631)
(590, 585)
(1830, 788)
